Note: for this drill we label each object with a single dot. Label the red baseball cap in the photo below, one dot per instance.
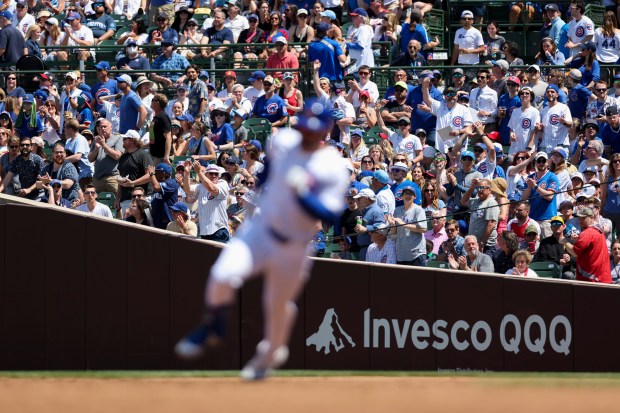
(365, 93)
(230, 73)
(514, 79)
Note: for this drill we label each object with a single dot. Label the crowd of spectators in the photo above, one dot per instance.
(499, 164)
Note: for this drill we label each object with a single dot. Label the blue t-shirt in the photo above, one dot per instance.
(99, 90)
(219, 36)
(510, 105)
(612, 205)
(420, 118)
(541, 209)
(578, 98)
(587, 76)
(86, 115)
(398, 192)
(130, 112)
(319, 49)
(419, 34)
(25, 131)
(611, 138)
(162, 201)
(222, 135)
(272, 109)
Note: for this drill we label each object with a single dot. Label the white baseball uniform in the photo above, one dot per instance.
(555, 133)
(522, 123)
(275, 243)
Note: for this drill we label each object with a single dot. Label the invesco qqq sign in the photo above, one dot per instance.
(515, 334)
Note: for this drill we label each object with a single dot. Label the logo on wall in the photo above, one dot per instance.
(330, 335)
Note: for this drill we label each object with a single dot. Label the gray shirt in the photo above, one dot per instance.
(480, 213)
(104, 164)
(463, 182)
(410, 245)
(482, 263)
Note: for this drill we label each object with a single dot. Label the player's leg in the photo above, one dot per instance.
(283, 282)
(233, 266)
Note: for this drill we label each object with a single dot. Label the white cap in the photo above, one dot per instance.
(133, 134)
(366, 193)
(213, 168)
(467, 13)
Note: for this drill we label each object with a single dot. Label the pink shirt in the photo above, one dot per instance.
(436, 238)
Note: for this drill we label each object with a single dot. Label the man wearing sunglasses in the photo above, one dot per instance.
(536, 84)
(595, 112)
(523, 120)
(555, 120)
(271, 106)
(451, 116)
(484, 100)
(541, 188)
(91, 206)
(27, 167)
(484, 214)
(611, 131)
(468, 42)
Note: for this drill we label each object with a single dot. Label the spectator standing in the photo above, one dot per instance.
(328, 52)
(483, 100)
(79, 149)
(468, 42)
(103, 87)
(12, 41)
(521, 221)
(282, 59)
(503, 257)
(484, 214)
(165, 194)
(355, 88)
(133, 112)
(437, 234)
(385, 197)
(555, 120)
(535, 83)
(22, 20)
(555, 19)
(506, 105)
(133, 169)
(408, 225)
(372, 216)
(421, 114)
(161, 131)
(541, 188)
(198, 94)
(461, 180)
(105, 153)
(522, 123)
(590, 250)
(91, 206)
(212, 194)
(348, 221)
(359, 40)
(270, 106)
(454, 245)
(580, 28)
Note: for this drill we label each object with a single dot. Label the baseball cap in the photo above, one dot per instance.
(364, 93)
(458, 72)
(180, 207)
(230, 73)
(578, 175)
(213, 168)
(499, 149)
(366, 193)
(259, 74)
(466, 154)
(419, 131)
(381, 176)
(53, 21)
(257, 143)
(239, 112)
(103, 65)
(288, 75)
(467, 13)
(268, 79)
(124, 78)
(590, 46)
(557, 218)
(7, 15)
(481, 146)
(43, 13)
(407, 187)
(182, 86)
(553, 87)
(611, 110)
(566, 204)
(404, 119)
(302, 12)
(253, 17)
(203, 75)
(592, 125)
(585, 212)
(323, 27)
(502, 64)
(514, 79)
(552, 6)
(280, 39)
(185, 117)
(401, 84)
(28, 99)
(436, 74)
(73, 16)
(359, 12)
(401, 166)
(560, 151)
(329, 13)
(316, 117)
(575, 74)
(41, 94)
(464, 96)
(132, 134)
(250, 196)
(535, 67)
(164, 167)
(357, 132)
(531, 228)
(592, 169)
(541, 154)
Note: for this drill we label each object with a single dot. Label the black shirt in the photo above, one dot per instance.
(134, 166)
(347, 220)
(160, 126)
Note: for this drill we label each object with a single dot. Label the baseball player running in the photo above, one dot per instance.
(307, 182)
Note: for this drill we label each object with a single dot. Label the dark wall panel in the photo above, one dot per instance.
(64, 258)
(536, 303)
(335, 300)
(3, 268)
(596, 330)
(23, 331)
(148, 301)
(190, 263)
(106, 294)
(399, 297)
(469, 297)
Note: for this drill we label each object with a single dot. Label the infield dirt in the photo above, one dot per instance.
(308, 395)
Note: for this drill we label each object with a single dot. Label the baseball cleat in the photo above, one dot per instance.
(262, 365)
(192, 346)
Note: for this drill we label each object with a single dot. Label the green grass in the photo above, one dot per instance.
(607, 378)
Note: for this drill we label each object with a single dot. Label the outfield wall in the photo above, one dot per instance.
(81, 292)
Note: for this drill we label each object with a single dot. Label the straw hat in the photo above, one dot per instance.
(498, 187)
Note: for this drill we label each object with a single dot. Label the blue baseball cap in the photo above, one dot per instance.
(7, 15)
(407, 187)
(553, 87)
(329, 13)
(56, 182)
(103, 65)
(468, 153)
(164, 167)
(381, 176)
(258, 145)
(203, 75)
(259, 74)
(315, 117)
(185, 117)
(28, 99)
(74, 16)
(359, 12)
(180, 207)
(41, 94)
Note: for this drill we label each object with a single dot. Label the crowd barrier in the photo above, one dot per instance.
(81, 292)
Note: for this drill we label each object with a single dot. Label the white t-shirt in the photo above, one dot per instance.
(212, 208)
(522, 123)
(372, 89)
(410, 145)
(100, 209)
(456, 118)
(555, 133)
(607, 48)
(237, 25)
(486, 168)
(84, 34)
(468, 39)
(253, 94)
(113, 114)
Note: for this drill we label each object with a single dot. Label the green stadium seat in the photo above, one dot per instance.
(438, 264)
(546, 269)
(259, 129)
(107, 198)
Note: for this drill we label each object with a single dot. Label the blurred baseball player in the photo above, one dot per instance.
(307, 182)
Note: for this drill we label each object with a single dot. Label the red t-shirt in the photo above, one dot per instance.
(592, 256)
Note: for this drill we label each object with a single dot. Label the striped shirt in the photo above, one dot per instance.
(386, 255)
